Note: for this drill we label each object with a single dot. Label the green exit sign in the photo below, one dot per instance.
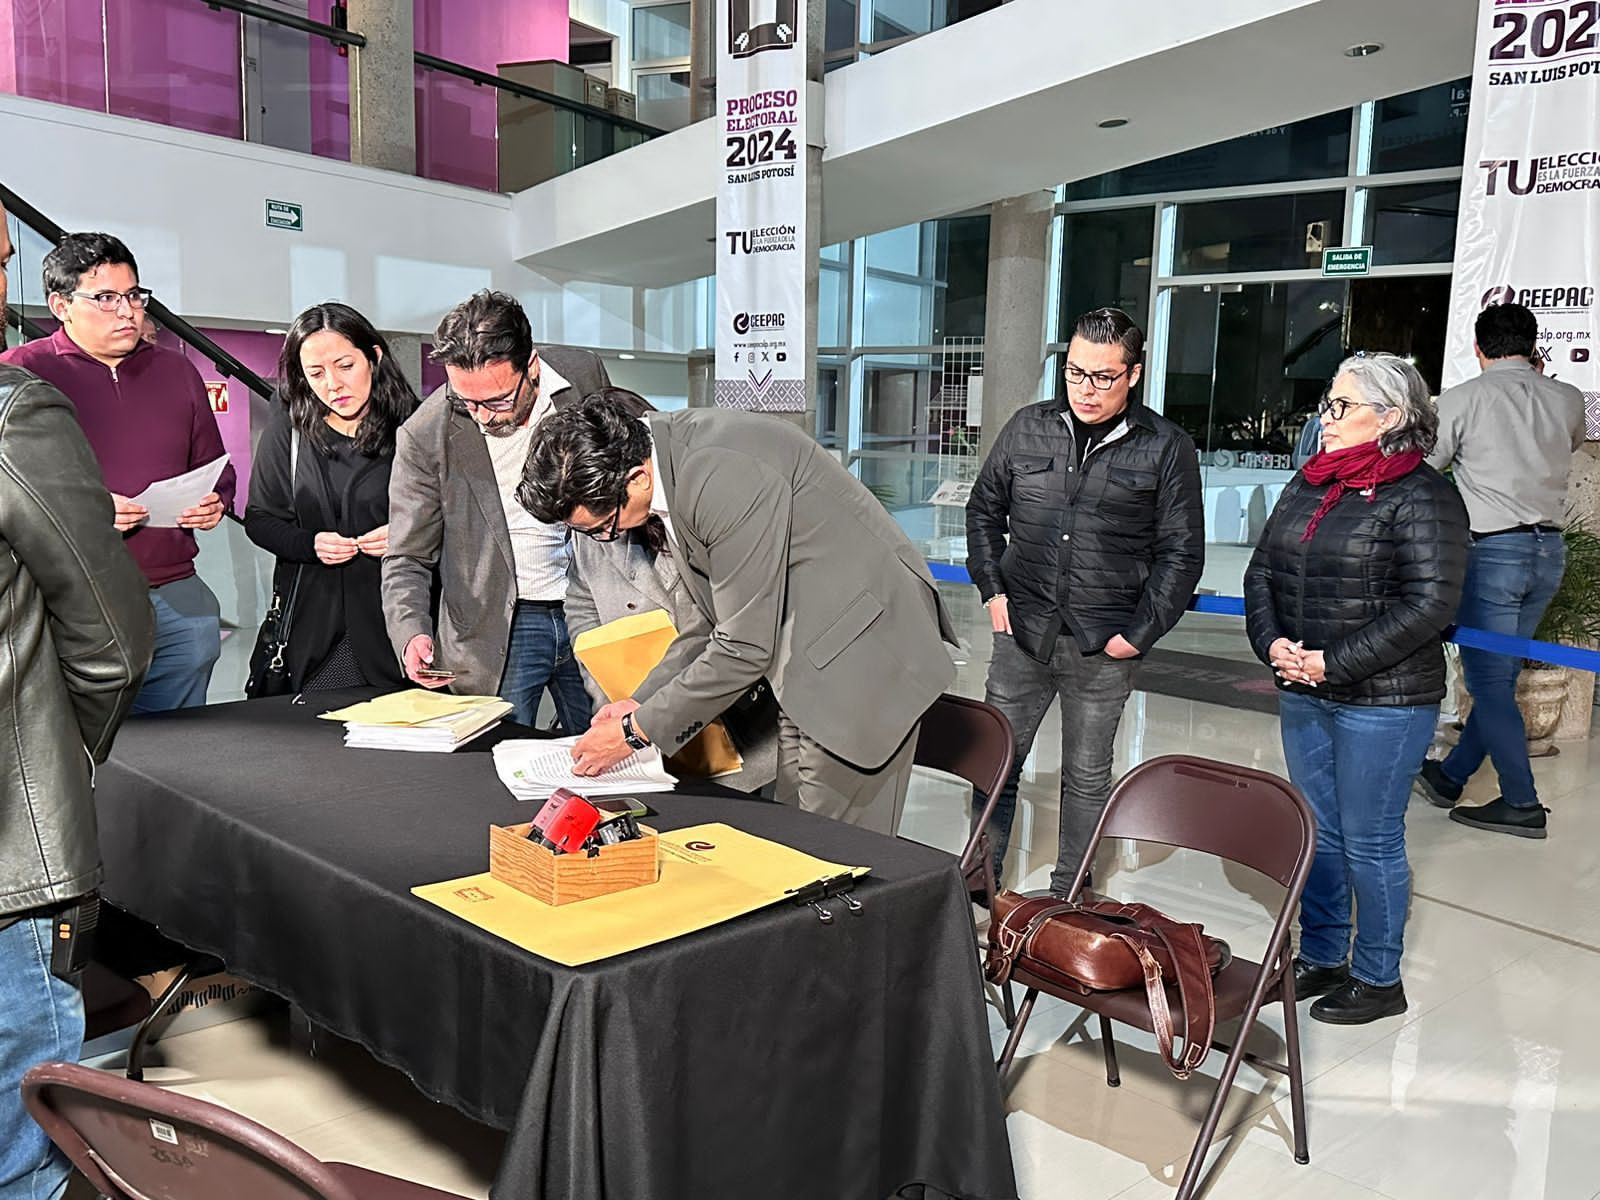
(283, 215)
(1347, 260)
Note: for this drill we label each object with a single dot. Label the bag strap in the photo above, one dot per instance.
(1188, 951)
(286, 616)
(1014, 936)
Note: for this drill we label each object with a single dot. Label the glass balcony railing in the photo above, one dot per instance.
(267, 73)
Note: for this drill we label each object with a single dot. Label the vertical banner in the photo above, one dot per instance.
(1529, 229)
(761, 206)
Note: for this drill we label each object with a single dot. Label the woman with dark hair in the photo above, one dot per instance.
(319, 496)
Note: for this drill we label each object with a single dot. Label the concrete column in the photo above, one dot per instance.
(702, 60)
(407, 351)
(1013, 333)
(816, 16)
(383, 107)
(702, 379)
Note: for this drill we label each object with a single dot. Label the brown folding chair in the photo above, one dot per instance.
(1245, 816)
(133, 1140)
(972, 741)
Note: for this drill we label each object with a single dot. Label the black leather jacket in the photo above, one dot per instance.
(1114, 548)
(75, 640)
(1374, 589)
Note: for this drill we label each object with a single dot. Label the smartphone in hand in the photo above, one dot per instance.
(434, 673)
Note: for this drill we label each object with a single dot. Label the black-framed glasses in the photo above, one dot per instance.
(109, 302)
(495, 404)
(1100, 381)
(1338, 407)
(607, 531)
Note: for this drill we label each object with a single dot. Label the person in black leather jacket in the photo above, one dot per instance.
(1357, 575)
(1086, 538)
(76, 632)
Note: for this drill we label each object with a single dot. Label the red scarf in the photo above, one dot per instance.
(1362, 467)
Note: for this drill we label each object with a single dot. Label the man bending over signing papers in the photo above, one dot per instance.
(805, 578)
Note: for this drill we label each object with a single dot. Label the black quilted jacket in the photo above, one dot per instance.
(1114, 548)
(1373, 589)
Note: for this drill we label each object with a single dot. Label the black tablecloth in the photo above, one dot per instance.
(773, 1056)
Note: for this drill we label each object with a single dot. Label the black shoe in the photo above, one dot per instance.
(1312, 981)
(1499, 817)
(1357, 1003)
(1437, 787)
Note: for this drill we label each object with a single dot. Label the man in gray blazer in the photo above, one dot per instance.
(804, 577)
(452, 509)
(637, 573)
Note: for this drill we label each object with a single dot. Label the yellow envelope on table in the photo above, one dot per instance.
(620, 653)
(709, 874)
(415, 706)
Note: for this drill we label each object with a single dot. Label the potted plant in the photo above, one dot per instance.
(1545, 691)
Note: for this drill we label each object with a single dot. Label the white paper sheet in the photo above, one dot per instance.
(534, 769)
(166, 498)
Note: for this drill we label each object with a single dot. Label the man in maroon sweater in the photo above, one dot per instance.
(146, 415)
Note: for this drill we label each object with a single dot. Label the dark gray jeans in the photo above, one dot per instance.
(1093, 689)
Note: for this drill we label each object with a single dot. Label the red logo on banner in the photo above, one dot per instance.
(217, 393)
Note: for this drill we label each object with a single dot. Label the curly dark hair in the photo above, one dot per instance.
(393, 399)
(581, 456)
(487, 327)
(80, 253)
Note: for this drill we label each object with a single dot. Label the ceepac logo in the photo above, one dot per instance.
(1574, 297)
(744, 323)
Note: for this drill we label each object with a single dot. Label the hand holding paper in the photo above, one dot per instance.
(185, 501)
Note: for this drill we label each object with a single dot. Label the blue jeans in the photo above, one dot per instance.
(1510, 580)
(541, 656)
(41, 1020)
(188, 641)
(1354, 764)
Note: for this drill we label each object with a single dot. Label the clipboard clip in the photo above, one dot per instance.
(826, 888)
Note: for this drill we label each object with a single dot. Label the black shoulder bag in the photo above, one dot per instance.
(269, 670)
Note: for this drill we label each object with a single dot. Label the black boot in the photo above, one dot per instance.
(1358, 1003)
(1437, 787)
(1499, 817)
(1310, 981)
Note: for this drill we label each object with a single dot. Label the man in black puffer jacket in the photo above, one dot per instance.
(1101, 500)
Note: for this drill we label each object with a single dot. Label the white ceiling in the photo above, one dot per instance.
(1003, 104)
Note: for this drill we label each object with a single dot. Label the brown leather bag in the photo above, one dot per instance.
(1103, 945)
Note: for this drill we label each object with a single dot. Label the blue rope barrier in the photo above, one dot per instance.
(1476, 639)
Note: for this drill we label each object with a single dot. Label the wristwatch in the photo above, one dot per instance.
(635, 739)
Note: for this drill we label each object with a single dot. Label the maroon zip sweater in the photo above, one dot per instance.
(147, 420)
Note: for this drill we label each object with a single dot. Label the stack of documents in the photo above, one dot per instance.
(533, 770)
(418, 719)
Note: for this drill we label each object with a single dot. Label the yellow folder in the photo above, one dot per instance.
(620, 653)
(709, 874)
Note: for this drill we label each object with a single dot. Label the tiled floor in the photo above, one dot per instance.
(1487, 1089)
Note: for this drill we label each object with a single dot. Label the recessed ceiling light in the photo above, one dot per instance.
(625, 355)
(1114, 123)
(1363, 50)
(277, 332)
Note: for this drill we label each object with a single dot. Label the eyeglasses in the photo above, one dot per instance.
(1338, 407)
(109, 302)
(495, 404)
(1101, 381)
(607, 531)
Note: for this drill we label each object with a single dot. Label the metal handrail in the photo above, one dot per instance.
(338, 36)
(431, 62)
(230, 366)
(25, 325)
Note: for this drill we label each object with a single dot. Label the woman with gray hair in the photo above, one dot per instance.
(1357, 575)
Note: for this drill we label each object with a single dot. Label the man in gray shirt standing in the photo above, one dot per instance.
(1509, 435)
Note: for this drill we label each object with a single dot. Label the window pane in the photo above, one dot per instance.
(840, 30)
(899, 18)
(1263, 233)
(663, 98)
(660, 31)
(833, 302)
(1108, 263)
(896, 250)
(962, 264)
(898, 313)
(1318, 148)
(1413, 224)
(1422, 130)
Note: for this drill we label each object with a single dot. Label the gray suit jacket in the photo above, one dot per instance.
(611, 580)
(806, 581)
(445, 514)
